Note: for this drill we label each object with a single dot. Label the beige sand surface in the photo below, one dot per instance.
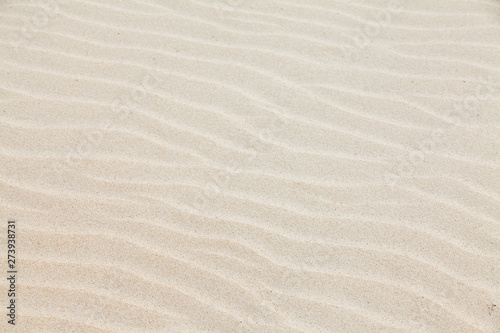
(251, 166)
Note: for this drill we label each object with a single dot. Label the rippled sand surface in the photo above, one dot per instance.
(251, 166)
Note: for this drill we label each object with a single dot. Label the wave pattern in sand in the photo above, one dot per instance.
(247, 166)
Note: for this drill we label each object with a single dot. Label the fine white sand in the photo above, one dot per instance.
(251, 166)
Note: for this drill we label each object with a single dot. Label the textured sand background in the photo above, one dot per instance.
(251, 166)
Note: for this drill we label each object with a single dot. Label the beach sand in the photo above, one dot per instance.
(250, 166)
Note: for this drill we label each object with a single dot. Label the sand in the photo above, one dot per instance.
(251, 166)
